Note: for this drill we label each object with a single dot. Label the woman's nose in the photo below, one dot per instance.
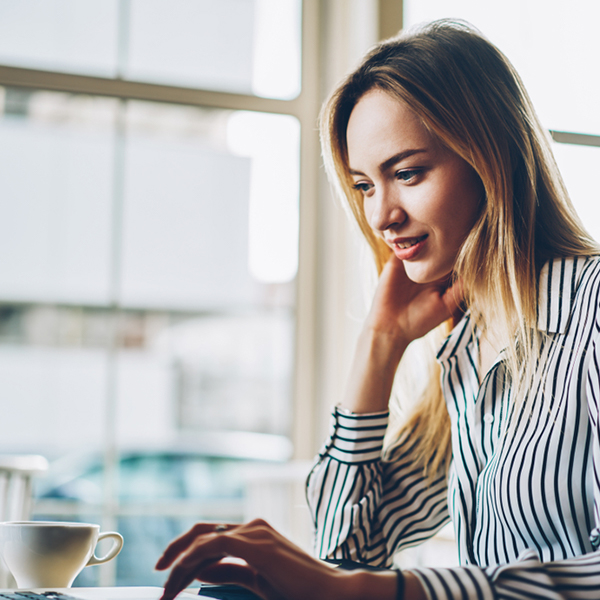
(386, 211)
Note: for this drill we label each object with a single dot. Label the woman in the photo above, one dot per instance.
(435, 145)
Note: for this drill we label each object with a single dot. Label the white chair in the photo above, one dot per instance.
(16, 497)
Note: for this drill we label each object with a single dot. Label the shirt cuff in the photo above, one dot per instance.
(356, 438)
(454, 584)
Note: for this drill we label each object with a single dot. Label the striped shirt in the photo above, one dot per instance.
(524, 500)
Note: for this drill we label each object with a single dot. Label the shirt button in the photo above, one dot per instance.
(489, 418)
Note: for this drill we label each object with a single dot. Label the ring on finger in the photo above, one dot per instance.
(220, 528)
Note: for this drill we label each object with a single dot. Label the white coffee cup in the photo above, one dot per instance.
(50, 554)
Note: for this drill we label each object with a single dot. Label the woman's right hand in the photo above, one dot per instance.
(257, 557)
(402, 311)
(407, 310)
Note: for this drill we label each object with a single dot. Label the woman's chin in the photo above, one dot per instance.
(441, 277)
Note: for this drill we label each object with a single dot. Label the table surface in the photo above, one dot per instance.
(114, 593)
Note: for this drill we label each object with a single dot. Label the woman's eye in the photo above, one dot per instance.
(362, 186)
(407, 174)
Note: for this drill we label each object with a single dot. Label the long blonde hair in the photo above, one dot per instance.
(466, 92)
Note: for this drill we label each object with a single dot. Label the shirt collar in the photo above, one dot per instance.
(460, 337)
(558, 284)
(557, 287)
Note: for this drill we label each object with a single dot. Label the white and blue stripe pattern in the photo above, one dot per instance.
(524, 499)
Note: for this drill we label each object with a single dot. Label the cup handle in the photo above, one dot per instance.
(113, 551)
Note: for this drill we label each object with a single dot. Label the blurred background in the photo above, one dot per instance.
(179, 292)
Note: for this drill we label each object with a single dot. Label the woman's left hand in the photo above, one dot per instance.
(271, 566)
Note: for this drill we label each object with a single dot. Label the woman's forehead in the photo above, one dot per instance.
(380, 126)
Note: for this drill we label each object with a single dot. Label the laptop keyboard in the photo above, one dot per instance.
(226, 592)
(16, 595)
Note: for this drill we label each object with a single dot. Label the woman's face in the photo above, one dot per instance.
(420, 197)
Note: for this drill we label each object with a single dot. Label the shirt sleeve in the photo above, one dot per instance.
(364, 508)
(527, 578)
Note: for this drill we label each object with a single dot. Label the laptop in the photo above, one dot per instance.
(206, 592)
(97, 593)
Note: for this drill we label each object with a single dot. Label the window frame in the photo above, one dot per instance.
(335, 34)
(305, 108)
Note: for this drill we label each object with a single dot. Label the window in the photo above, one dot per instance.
(149, 322)
(560, 78)
(555, 49)
(242, 46)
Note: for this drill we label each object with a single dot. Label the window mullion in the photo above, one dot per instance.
(99, 86)
(579, 139)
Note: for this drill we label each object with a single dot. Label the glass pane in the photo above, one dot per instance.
(272, 142)
(211, 206)
(53, 378)
(186, 213)
(210, 225)
(56, 164)
(579, 166)
(148, 302)
(181, 376)
(60, 35)
(554, 46)
(232, 372)
(176, 377)
(53, 398)
(243, 46)
(147, 536)
(210, 202)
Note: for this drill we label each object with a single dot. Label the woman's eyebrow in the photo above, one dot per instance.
(392, 160)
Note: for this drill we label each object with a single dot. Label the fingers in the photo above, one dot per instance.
(254, 556)
(199, 553)
(200, 561)
(183, 542)
(204, 554)
(176, 583)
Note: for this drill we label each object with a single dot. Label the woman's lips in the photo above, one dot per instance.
(407, 248)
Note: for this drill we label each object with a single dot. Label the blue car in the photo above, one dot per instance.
(157, 494)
